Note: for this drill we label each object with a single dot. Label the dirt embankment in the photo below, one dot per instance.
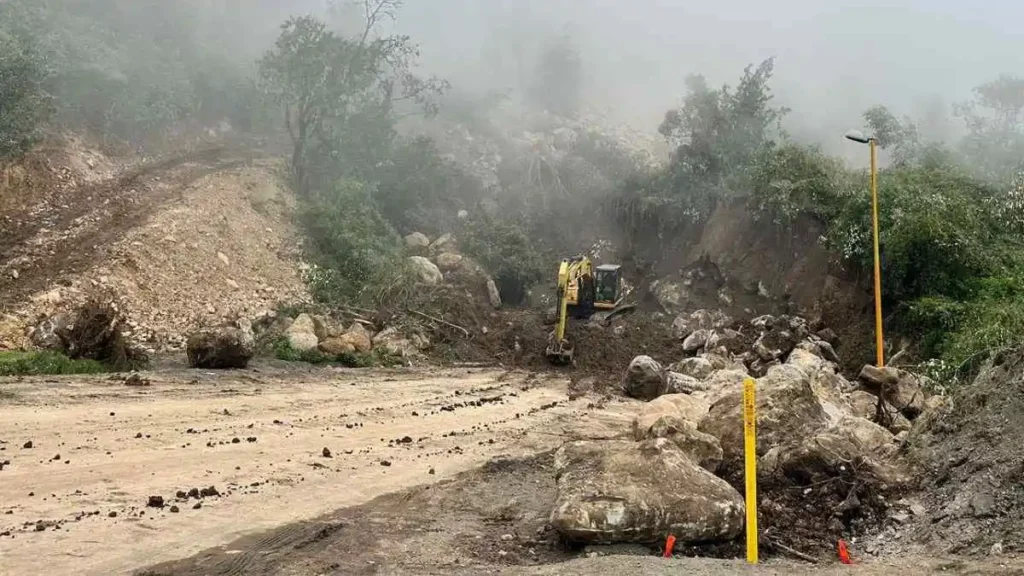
(973, 454)
(176, 243)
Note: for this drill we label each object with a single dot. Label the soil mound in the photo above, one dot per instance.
(177, 246)
(973, 451)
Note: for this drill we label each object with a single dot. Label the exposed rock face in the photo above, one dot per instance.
(425, 270)
(493, 295)
(301, 334)
(621, 491)
(221, 348)
(645, 379)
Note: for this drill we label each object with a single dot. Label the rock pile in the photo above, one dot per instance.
(815, 428)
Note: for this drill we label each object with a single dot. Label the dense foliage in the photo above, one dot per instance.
(120, 70)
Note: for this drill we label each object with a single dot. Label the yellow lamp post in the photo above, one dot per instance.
(873, 144)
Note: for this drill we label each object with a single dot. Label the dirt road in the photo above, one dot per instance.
(100, 449)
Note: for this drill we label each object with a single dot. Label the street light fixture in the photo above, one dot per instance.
(872, 142)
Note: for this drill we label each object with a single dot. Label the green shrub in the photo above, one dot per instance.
(41, 363)
(352, 244)
(937, 231)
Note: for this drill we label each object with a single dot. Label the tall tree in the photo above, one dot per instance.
(339, 93)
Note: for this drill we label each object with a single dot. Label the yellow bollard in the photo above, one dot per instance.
(750, 457)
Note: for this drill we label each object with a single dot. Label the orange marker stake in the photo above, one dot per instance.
(844, 554)
(670, 543)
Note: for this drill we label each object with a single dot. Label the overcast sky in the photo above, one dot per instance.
(833, 59)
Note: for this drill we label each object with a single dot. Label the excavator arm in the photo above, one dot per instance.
(570, 293)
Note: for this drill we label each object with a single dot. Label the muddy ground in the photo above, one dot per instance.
(84, 455)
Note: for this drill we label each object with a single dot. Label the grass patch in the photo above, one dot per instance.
(40, 363)
(283, 350)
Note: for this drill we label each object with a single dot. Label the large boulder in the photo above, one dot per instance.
(393, 342)
(670, 295)
(688, 407)
(448, 261)
(301, 334)
(676, 383)
(904, 390)
(702, 448)
(645, 378)
(788, 411)
(220, 348)
(731, 340)
(865, 405)
(356, 339)
(685, 324)
(444, 243)
(621, 491)
(425, 270)
(325, 327)
(696, 341)
(417, 242)
(697, 367)
(828, 451)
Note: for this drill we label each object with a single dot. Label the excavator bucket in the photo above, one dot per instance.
(559, 352)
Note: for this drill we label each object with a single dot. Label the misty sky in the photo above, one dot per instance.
(834, 59)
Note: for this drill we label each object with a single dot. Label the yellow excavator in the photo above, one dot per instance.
(583, 289)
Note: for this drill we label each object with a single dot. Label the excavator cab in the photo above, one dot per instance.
(607, 286)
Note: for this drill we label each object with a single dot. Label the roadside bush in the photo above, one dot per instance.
(937, 231)
(43, 363)
(351, 242)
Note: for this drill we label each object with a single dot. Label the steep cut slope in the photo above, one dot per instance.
(177, 243)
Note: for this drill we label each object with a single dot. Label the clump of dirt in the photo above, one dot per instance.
(96, 333)
(971, 450)
(811, 516)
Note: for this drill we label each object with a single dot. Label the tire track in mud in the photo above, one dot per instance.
(386, 432)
